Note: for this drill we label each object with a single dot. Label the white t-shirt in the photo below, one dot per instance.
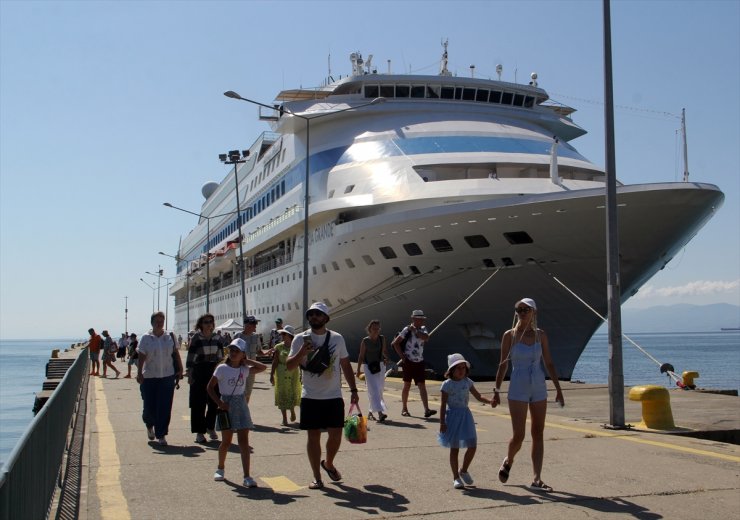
(158, 350)
(329, 384)
(231, 380)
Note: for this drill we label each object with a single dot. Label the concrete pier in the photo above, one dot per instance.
(402, 471)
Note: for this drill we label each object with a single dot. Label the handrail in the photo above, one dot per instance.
(29, 477)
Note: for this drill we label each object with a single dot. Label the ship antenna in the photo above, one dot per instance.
(499, 70)
(443, 62)
(685, 147)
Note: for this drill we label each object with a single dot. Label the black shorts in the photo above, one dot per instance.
(414, 370)
(318, 414)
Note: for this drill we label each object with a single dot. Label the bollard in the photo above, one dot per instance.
(688, 378)
(55, 353)
(656, 407)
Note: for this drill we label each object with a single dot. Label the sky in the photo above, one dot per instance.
(109, 109)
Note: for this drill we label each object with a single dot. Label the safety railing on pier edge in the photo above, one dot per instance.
(29, 477)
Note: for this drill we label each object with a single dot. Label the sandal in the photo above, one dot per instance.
(370, 416)
(406, 413)
(538, 485)
(503, 472)
(429, 413)
(333, 473)
(316, 484)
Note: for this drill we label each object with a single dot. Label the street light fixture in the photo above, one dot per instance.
(158, 274)
(307, 119)
(187, 284)
(208, 245)
(152, 288)
(236, 158)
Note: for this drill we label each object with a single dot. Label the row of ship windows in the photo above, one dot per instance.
(411, 248)
(482, 95)
(255, 209)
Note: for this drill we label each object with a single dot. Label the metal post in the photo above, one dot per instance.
(208, 264)
(159, 285)
(241, 246)
(616, 373)
(187, 289)
(305, 224)
(125, 314)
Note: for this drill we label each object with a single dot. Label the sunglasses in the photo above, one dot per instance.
(207, 322)
(522, 310)
(314, 313)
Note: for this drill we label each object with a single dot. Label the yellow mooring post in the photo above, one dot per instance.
(687, 378)
(656, 407)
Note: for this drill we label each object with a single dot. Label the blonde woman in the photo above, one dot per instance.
(527, 348)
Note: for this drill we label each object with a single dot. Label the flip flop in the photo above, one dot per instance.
(429, 413)
(538, 485)
(316, 484)
(503, 472)
(333, 473)
(406, 413)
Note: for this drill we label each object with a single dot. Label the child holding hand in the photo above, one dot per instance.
(456, 424)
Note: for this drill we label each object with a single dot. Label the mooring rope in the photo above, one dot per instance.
(464, 301)
(664, 367)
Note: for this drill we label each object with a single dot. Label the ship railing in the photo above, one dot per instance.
(30, 476)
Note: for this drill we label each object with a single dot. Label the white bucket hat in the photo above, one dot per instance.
(288, 329)
(453, 360)
(318, 306)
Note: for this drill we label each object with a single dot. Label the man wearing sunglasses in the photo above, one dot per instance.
(322, 405)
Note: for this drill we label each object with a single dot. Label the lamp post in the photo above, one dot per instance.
(187, 285)
(152, 288)
(307, 119)
(236, 158)
(158, 274)
(125, 314)
(208, 244)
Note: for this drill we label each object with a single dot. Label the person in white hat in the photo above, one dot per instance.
(287, 383)
(409, 345)
(456, 424)
(526, 346)
(321, 353)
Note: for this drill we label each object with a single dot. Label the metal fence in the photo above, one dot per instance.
(29, 477)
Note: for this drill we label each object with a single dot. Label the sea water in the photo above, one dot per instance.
(22, 373)
(715, 355)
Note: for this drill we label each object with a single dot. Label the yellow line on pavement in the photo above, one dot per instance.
(108, 477)
(625, 435)
(281, 484)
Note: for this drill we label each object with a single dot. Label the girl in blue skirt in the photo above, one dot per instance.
(456, 425)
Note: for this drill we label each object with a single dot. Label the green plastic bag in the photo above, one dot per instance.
(355, 426)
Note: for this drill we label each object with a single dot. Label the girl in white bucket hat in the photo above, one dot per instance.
(456, 424)
(527, 348)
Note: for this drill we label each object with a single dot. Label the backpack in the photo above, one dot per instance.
(404, 340)
(320, 359)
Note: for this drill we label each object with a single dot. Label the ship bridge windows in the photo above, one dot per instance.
(437, 91)
(495, 96)
(447, 93)
(468, 94)
(403, 91)
(506, 98)
(518, 237)
(418, 91)
(482, 95)
(387, 91)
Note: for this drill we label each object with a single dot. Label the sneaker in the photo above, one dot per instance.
(465, 477)
(219, 475)
(249, 482)
(458, 484)
(212, 435)
(200, 438)
(162, 441)
(150, 432)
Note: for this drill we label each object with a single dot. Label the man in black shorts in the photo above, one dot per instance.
(322, 406)
(409, 345)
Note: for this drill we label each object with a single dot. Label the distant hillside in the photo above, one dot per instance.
(681, 317)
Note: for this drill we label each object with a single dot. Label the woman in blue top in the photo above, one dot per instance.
(456, 424)
(527, 348)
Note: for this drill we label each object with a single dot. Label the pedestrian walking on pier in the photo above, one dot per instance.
(110, 349)
(321, 353)
(94, 345)
(456, 424)
(230, 377)
(205, 352)
(133, 354)
(160, 367)
(254, 347)
(526, 347)
(287, 382)
(373, 358)
(409, 345)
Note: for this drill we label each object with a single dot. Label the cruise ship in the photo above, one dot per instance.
(454, 195)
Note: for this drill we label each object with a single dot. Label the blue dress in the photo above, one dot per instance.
(460, 424)
(527, 375)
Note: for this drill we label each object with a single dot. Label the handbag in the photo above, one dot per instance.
(320, 359)
(223, 419)
(374, 367)
(355, 426)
